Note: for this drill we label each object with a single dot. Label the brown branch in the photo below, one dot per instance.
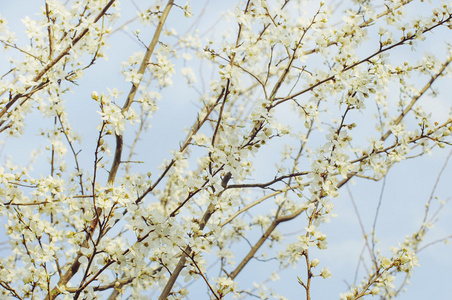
(440, 174)
(14, 46)
(52, 63)
(363, 25)
(180, 265)
(75, 154)
(205, 218)
(26, 96)
(73, 267)
(253, 250)
(49, 30)
(115, 284)
(264, 185)
(418, 96)
(135, 141)
(191, 256)
(409, 141)
(367, 59)
(13, 292)
(194, 129)
(291, 59)
(249, 206)
(285, 218)
(134, 89)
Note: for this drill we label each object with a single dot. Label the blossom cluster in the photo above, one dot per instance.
(293, 100)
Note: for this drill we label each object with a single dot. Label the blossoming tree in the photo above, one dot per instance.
(294, 100)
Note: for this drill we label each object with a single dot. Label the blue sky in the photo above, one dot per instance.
(408, 185)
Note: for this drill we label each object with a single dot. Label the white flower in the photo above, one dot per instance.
(132, 76)
(325, 273)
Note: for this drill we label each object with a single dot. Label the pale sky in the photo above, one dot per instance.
(408, 185)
